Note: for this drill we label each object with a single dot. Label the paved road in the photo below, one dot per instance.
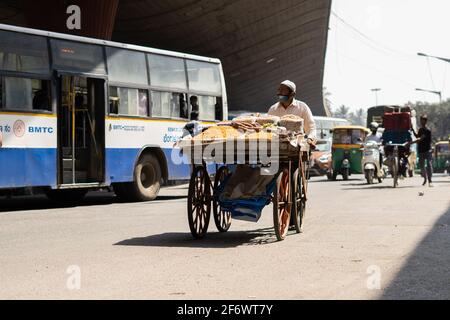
(359, 242)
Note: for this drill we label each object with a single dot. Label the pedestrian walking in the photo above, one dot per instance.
(424, 141)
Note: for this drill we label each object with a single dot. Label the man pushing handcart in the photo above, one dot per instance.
(259, 160)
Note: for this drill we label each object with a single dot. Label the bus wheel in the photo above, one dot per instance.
(147, 181)
(69, 196)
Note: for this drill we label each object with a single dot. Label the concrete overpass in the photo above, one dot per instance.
(260, 42)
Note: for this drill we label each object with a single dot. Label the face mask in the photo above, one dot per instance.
(283, 98)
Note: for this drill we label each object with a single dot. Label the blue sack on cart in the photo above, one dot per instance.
(248, 210)
(246, 192)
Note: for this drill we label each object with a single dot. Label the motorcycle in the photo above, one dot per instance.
(373, 168)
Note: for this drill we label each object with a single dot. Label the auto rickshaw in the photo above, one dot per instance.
(441, 161)
(347, 150)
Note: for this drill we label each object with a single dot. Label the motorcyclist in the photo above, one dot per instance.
(375, 136)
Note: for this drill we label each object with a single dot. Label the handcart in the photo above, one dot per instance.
(287, 191)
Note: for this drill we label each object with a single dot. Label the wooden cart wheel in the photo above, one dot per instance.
(395, 171)
(199, 202)
(222, 218)
(298, 201)
(282, 205)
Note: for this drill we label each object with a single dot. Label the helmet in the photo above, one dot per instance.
(374, 126)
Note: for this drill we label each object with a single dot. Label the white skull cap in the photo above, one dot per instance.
(290, 85)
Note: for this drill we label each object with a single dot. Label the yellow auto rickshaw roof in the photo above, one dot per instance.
(440, 143)
(351, 128)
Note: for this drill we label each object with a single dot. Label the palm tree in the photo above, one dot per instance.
(342, 112)
(327, 102)
(359, 117)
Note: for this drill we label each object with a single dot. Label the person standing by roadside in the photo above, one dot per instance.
(425, 150)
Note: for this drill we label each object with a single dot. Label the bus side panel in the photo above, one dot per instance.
(177, 171)
(120, 164)
(28, 167)
(28, 157)
(126, 138)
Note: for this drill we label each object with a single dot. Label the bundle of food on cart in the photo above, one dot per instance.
(259, 127)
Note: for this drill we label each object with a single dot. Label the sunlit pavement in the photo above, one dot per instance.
(359, 242)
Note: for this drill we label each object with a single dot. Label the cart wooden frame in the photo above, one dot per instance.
(289, 197)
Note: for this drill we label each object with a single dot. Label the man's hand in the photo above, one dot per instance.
(312, 143)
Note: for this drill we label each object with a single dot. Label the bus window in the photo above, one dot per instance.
(193, 100)
(167, 72)
(210, 108)
(24, 94)
(204, 77)
(23, 53)
(128, 102)
(41, 95)
(180, 99)
(74, 56)
(160, 104)
(169, 105)
(126, 66)
(219, 109)
(143, 103)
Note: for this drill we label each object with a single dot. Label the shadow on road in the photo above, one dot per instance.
(168, 198)
(317, 180)
(41, 202)
(442, 182)
(426, 274)
(230, 239)
(379, 187)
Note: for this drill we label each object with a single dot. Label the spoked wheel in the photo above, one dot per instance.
(199, 202)
(222, 218)
(298, 201)
(395, 171)
(282, 205)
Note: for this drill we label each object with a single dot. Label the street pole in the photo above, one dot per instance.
(434, 57)
(438, 93)
(376, 90)
(438, 58)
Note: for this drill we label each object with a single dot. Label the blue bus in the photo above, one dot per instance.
(79, 113)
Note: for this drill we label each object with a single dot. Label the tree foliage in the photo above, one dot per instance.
(358, 117)
(438, 117)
